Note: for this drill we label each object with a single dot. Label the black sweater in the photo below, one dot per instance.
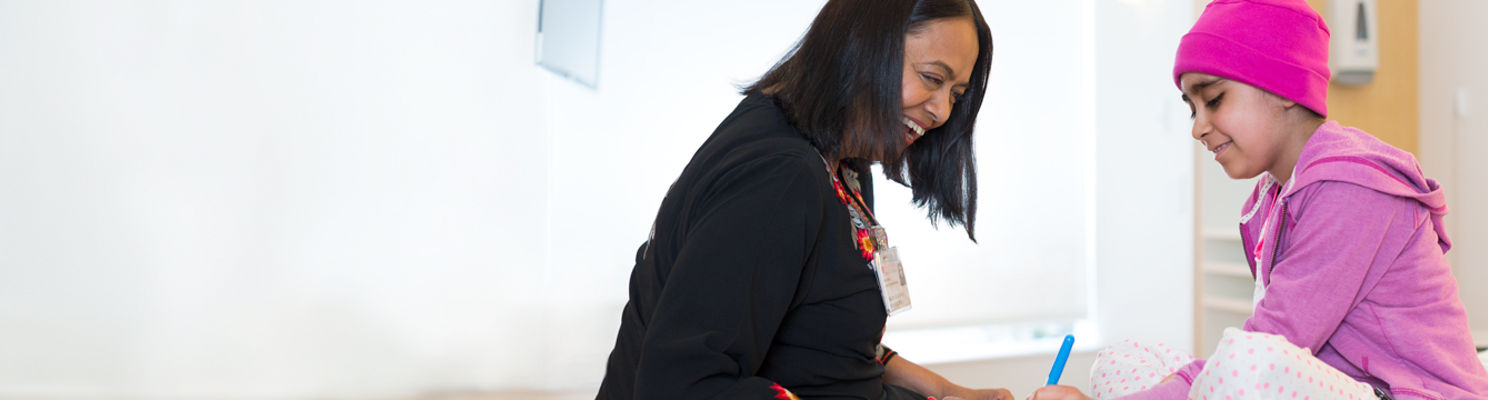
(751, 278)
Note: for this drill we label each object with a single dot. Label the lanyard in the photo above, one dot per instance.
(868, 235)
(874, 244)
(862, 205)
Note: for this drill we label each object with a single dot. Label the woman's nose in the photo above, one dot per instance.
(939, 108)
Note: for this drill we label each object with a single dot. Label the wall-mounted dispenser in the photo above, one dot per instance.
(1355, 41)
(568, 35)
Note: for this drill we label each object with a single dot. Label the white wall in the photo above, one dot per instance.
(337, 199)
(1141, 172)
(669, 72)
(1033, 177)
(1144, 203)
(1452, 143)
(265, 199)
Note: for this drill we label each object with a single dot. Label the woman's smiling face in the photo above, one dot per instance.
(938, 59)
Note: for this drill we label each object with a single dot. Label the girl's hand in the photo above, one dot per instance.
(1058, 392)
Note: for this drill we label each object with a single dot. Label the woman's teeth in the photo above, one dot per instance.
(918, 131)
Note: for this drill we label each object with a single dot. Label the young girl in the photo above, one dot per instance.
(1354, 298)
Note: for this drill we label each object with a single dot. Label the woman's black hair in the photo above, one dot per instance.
(841, 86)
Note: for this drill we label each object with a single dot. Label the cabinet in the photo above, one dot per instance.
(1454, 138)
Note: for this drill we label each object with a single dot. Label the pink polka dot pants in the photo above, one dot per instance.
(1247, 365)
(1130, 366)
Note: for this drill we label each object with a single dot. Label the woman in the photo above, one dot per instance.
(762, 275)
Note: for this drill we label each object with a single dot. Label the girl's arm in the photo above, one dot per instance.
(1342, 242)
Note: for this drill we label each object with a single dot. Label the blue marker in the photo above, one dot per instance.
(1064, 349)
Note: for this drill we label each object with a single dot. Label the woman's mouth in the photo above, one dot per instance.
(912, 131)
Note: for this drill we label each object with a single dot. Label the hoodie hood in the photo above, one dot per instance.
(1339, 153)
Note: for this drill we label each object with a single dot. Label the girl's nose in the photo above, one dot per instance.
(1200, 129)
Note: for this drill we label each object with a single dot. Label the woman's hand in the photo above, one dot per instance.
(1058, 392)
(902, 372)
(980, 394)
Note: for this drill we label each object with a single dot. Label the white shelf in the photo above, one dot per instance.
(1227, 269)
(1236, 306)
(1223, 284)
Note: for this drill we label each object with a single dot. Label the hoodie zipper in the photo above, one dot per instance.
(1276, 244)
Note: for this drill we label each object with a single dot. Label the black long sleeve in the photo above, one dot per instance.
(751, 283)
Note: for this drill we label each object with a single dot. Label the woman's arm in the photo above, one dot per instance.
(901, 372)
(731, 283)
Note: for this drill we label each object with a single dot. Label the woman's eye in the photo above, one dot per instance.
(932, 79)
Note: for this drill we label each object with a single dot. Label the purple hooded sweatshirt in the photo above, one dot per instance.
(1359, 274)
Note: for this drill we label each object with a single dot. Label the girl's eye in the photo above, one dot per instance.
(1214, 102)
(932, 79)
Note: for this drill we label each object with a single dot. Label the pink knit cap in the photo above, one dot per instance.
(1280, 46)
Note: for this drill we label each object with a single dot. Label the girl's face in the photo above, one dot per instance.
(938, 59)
(1240, 124)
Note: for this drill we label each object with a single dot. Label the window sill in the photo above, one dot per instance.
(990, 341)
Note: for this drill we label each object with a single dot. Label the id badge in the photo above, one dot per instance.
(891, 283)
